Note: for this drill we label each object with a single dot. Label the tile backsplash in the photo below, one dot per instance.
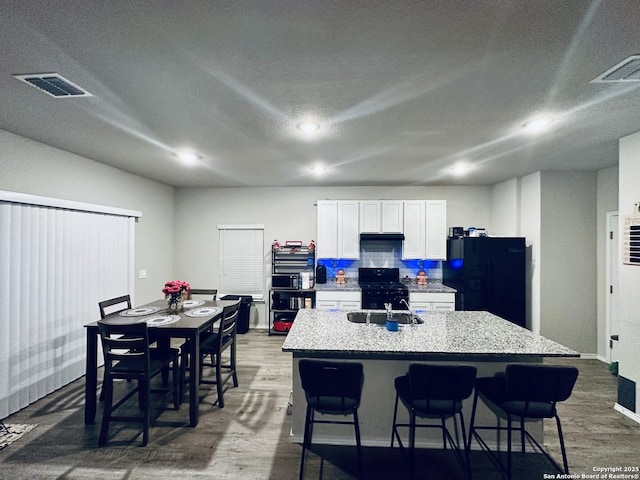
(383, 254)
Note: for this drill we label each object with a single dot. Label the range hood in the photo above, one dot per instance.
(381, 236)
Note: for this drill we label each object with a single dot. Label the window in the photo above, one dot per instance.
(242, 261)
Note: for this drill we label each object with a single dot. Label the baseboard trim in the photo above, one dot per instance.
(589, 356)
(627, 413)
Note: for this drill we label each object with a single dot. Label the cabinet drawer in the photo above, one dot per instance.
(339, 296)
(432, 297)
(326, 304)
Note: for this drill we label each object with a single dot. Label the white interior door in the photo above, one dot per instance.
(611, 295)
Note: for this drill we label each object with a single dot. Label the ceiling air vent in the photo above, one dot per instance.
(54, 84)
(627, 70)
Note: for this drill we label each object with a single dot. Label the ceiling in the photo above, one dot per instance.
(401, 90)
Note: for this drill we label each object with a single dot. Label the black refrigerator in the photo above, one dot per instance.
(489, 274)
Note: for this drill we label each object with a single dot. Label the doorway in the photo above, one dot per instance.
(611, 283)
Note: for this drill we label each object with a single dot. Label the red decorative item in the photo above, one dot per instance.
(312, 245)
(276, 245)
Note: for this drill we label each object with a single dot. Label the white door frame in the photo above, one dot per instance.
(612, 262)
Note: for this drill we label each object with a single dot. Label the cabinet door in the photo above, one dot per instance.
(436, 230)
(414, 229)
(348, 229)
(392, 216)
(327, 229)
(369, 216)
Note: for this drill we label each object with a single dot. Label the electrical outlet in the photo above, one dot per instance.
(142, 274)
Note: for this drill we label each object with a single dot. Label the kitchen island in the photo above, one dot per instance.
(477, 338)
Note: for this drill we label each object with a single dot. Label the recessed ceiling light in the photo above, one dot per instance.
(318, 169)
(460, 169)
(537, 124)
(308, 126)
(188, 157)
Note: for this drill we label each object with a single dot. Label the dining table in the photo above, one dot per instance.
(185, 323)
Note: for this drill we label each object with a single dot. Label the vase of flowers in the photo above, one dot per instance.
(175, 291)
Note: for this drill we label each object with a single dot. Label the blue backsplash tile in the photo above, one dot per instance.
(383, 254)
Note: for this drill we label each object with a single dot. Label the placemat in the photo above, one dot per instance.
(139, 312)
(204, 312)
(192, 303)
(160, 320)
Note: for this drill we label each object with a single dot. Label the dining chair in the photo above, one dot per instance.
(214, 345)
(434, 391)
(526, 392)
(127, 356)
(120, 303)
(213, 292)
(331, 388)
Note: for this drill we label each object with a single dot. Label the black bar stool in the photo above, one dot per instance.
(434, 391)
(331, 388)
(525, 392)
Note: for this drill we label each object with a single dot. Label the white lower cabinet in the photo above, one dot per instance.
(432, 301)
(338, 300)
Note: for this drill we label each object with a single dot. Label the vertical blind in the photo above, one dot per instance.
(56, 264)
(242, 261)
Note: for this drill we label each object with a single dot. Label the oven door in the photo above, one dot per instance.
(374, 299)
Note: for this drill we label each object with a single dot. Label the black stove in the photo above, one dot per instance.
(380, 286)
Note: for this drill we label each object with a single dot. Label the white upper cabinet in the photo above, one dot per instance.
(423, 222)
(369, 216)
(381, 216)
(436, 229)
(327, 229)
(337, 229)
(348, 231)
(425, 230)
(414, 229)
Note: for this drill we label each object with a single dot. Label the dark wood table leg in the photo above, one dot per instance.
(91, 376)
(194, 378)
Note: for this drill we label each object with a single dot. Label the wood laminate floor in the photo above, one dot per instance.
(248, 439)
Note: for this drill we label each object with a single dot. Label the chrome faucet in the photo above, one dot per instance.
(413, 315)
(388, 307)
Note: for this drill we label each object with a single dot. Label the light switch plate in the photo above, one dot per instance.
(142, 274)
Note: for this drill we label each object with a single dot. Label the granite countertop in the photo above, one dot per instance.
(351, 285)
(465, 333)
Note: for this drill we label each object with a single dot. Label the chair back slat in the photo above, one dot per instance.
(213, 292)
(123, 302)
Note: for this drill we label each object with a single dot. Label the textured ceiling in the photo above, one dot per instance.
(402, 90)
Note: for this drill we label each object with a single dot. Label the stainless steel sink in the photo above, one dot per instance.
(380, 318)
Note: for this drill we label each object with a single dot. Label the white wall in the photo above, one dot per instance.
(568, 250)
(289, 214)
(505, 209)
(629, 275)
(530, 228)
(31, 167)
(607, 202)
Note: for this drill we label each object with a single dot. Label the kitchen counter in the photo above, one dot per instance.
(480, 339)
(468, 334)
(352, 285)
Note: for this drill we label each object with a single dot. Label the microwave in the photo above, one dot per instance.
(285, 280)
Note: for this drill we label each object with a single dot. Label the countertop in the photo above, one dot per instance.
(462, 333)
(352, 285)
